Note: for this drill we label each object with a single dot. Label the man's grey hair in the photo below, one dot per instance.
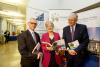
(31, 19)
(73, 15)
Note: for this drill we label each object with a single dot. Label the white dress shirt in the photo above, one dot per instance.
(33, 35)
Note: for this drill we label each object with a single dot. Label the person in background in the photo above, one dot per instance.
(6, 34)
(51, 57)
(73, 32)
(22, 31)
(27, 40)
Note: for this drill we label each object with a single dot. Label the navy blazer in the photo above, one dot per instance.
(80, 34)
(26, 44)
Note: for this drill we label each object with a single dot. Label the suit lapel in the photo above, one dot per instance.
(76, 32)
(54, 36)
(36, 36)
(48, 37)
(31, 38)
(69, 33)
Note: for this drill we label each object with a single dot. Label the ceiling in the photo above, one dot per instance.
(61, 4)
(19, 6)
(13, 9)
(14, 5)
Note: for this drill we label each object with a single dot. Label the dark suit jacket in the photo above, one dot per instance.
(80, 34)
(26, 44)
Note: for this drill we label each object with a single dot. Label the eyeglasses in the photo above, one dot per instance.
(33, 23)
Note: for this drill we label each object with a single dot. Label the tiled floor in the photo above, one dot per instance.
(9, 55)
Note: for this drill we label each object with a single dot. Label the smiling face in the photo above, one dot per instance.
(72, 19)
(49, 26)
(32, 24)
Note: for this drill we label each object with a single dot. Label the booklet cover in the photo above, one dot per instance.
(36, 48)
(73, 45)
(57, 45)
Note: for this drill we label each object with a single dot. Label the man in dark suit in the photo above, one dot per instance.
(27, 40)
(71, 33)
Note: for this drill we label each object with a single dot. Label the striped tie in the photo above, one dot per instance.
(72, 32)
(34, 38)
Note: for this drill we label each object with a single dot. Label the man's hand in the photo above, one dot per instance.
(39, 55)
(72, 52)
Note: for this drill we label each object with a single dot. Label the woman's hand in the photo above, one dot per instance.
(49, 48)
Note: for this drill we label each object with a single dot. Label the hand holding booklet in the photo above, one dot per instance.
(57, 45)
(36, 52)
(36, 48)
(74, 44)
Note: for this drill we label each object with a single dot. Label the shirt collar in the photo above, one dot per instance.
(73, 27)
(31, 31)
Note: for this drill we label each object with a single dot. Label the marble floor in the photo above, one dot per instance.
(9, 55)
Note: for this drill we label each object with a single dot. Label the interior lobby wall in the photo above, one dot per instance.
(91, 18)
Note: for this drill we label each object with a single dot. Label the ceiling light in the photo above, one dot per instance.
(11, 13)
(16, 20)
(13, 1)
(19, 23)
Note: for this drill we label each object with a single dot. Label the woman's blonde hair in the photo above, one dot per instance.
(49, 22)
